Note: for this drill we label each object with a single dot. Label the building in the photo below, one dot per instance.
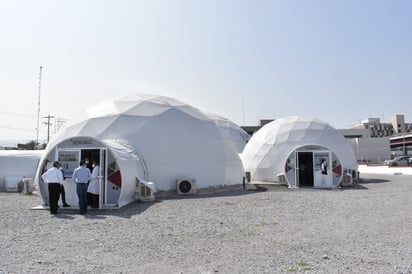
(253, 129)
(380, 130)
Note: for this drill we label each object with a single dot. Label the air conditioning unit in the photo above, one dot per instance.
(146, 191)
(281, 178)
(347, 180)
(28, 186)
(186, 186)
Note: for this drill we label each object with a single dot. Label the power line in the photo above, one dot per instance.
(14, 128)
(48, 123)
(17, 114)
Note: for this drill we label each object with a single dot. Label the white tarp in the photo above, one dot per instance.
(18, 164)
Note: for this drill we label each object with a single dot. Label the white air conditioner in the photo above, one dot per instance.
(281, 178)
(186, 186)
(28, 186)
(146, 190)
(347, 180)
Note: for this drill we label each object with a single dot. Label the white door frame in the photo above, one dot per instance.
(329, 175)
(102, 177)
(102, 170)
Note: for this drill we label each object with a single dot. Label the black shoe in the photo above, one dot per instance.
(66, 205)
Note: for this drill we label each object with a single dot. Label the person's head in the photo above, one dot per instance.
(94, 163)
(82, 163)
(56, 164)
(86, 160)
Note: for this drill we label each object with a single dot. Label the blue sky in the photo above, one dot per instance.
(338, 61)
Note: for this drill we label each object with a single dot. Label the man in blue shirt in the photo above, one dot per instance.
(81, 177)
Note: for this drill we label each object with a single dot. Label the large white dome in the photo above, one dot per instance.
(233, 133)
(270, 151)
(172, 139)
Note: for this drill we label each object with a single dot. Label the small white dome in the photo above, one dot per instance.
(267, 152)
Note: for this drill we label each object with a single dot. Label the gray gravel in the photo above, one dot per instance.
(366, 228)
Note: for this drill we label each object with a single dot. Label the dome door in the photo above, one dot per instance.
(322, 161)
(304, 168)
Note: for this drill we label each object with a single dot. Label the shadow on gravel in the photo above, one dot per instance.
(139, 207)
(361, 184)
(125, 212)
(372, 181)
(229, 193)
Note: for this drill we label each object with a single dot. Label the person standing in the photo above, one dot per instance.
(81, 176)
(93, 188)
(54, 178)
(63, 192)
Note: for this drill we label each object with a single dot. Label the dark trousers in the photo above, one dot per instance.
(63, 196)
(81, 190)
(54, 195)
(93, 200)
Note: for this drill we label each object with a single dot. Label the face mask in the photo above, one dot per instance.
(93, 165)
(87, 162)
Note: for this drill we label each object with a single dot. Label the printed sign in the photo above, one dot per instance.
(69, 160)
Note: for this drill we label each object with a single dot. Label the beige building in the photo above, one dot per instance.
(377, 129)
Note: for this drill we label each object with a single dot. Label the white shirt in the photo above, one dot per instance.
(53, 175)
(94, 181)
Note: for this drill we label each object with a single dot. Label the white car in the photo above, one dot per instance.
(399, 161)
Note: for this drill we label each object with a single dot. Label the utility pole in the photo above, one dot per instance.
(38, 108)
(48, 126)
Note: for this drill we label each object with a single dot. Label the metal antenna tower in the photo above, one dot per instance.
(38, 108)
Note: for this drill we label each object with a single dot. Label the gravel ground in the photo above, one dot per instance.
(366, 228)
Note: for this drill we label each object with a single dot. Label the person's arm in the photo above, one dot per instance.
(44, 177)
(60, 175)
(74, 176)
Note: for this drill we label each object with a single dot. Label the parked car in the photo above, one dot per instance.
(399, 161)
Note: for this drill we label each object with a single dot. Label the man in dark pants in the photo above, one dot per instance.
(54, 178)
(81, 177)
(63, 193)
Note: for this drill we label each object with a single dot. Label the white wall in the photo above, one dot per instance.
(371, 149)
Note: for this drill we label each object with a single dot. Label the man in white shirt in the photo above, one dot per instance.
(54, 178)
(81, 177)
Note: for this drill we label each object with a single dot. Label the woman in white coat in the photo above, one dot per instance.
(93, 189)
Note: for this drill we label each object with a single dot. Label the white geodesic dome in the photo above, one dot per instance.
(155, 138)
(233, 133)
(15, 165)
(272, 150)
